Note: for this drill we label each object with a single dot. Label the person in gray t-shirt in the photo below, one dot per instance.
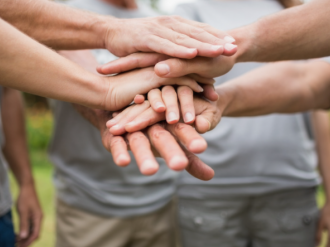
(263, 192)
(92, 191)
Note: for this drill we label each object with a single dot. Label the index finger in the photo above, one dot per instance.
(197, 168)
(188, 136)
(167, 147)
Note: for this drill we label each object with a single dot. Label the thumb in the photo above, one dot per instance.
(130, 62)
(206, 121)
(174, 67)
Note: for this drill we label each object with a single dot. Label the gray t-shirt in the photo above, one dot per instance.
(5, 197)
(256, 155)
(85, 174)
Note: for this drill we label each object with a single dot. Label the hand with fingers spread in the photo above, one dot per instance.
(176, 143)
(124, 87)
(170, 35)
(205, 115)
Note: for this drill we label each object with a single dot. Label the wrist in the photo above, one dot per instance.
(226, 96)
(96, 90)
(246, 38)
(26, 181)
(107, 28)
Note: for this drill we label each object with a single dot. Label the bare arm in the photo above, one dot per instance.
(62, 27)
(16, 152)
(321, 126)
(297, 33)
(28, 66)
(282, 87)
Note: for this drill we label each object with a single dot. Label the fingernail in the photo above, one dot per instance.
(117, 126)
(192, 50)
(178, 163)
(188, 117)
(148, 167)
(216, 47)
(172, 117)
(163, 68)
(23, 234)
(200, 89)
(111, 122)
(230, 47)
(229, 39)
(197, 146)
(122, 160)
(159, 106)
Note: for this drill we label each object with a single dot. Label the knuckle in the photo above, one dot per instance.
(168, 89)
(203, 25)
(185, 91)
(180, 38)
(166, 19)
(158, 134)
(137, 138)
(195, 31)
(179, 127)
(146, 104)
(115, 142)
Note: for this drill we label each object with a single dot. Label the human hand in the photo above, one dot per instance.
(324, 224)
(123, 88)
(137, 117)
(175, 143)
(170, 35)
(200, 69)
(30, 215)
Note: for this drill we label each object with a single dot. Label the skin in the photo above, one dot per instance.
(28, 66)
(73, 84)
(255, 41)
(175, 143)
(16, 153)
(68, 28)
(258, 92)
(322, 133)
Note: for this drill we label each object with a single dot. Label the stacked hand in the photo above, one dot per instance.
(153, 128)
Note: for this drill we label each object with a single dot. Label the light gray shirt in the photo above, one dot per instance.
(85, 175)
(5, 197)
(256, 155)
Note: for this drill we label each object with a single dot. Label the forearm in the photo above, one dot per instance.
(283, 87)
(15, 149)
(321, 125)
(56, 25)
(296, 33)
(29, 66)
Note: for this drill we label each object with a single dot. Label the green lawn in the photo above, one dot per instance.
(39, 127)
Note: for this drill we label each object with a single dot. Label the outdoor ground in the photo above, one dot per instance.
(39, 125)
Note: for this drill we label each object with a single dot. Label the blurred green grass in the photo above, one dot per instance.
(39, 127)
